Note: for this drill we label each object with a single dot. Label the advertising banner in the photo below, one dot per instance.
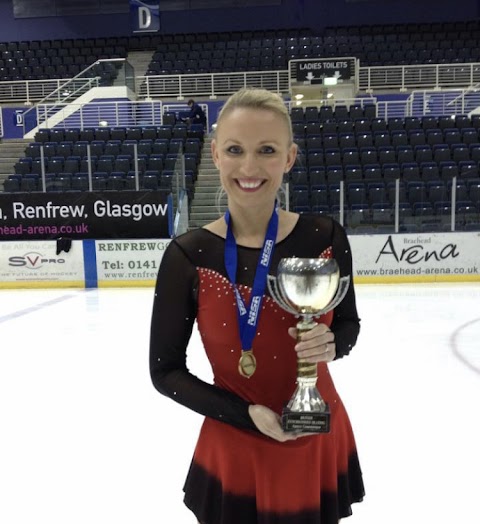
(448, 257)
(36, 264)
(133, 262)
(81, 215)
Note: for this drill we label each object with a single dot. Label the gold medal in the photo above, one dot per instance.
(247, 364)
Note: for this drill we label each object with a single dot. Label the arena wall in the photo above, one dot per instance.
(378, 259)
(290, 14)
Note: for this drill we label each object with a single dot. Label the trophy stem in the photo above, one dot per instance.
(305, 370)
(306, 398)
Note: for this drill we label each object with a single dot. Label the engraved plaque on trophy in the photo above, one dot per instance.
(307, 288)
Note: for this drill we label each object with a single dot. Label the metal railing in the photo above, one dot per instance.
(101, 72)
(378, 78)
(41, 113)
(95, 114)
(392, 109)
(425, 76)
(211, 84)
(332, 102)
(467, 100)
(449, 102)
(29, 91)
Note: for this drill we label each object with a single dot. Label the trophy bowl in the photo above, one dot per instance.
(308, 284)
(308, 288)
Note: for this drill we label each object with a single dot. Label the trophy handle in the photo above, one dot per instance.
(272, 284)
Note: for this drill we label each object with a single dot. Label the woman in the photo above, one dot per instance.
(246, 469)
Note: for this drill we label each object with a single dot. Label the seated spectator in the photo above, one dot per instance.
(196, 115)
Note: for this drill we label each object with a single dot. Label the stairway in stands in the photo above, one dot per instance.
(139, 60)
(10, 151)
(204, 204)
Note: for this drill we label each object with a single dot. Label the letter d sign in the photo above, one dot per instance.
(144, 17)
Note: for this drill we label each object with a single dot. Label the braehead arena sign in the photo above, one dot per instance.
(125, 214)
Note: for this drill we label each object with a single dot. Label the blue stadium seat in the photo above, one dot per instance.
(410, 171)
(317, 176)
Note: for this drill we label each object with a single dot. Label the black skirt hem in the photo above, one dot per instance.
(205, 497)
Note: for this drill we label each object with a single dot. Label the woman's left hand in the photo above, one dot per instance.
(316, 345)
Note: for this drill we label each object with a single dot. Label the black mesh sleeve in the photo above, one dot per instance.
(346, 324)
(173, 317)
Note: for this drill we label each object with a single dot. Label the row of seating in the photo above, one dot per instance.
(334, 113)
(113, 147)
(39, 55)
(269, 59)
(275, 60)
(419, 225)
(414, 136)
(106, 163)
(69, 66)
(152, 180)
(388, 154)
(362, 219)
(386, 192)
(423, 28)
(100, 182)
(386, 210)
(389, 171)
(151, 41)
(432, 139)
(58, 44)
(363, 214)
(306, 44)
(179, 131)
(342, 118)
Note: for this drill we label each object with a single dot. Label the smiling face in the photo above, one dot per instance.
(252, 150)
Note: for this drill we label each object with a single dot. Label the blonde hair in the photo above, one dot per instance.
(253, 98)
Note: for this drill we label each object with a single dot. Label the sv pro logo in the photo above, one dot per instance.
(33, 261)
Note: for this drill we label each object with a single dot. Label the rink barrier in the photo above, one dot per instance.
(377, 259)
(407, 258)
(87, 264)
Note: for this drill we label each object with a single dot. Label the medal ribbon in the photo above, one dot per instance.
(248, 316)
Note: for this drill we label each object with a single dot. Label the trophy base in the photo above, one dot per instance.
(306, 421)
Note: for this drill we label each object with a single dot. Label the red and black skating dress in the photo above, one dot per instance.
(238, 475)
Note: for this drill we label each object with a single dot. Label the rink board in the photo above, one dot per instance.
(400, 258)
(435, 257)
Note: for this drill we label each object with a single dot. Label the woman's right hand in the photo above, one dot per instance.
(269, 423)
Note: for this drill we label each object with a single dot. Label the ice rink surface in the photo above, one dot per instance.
(86, 439)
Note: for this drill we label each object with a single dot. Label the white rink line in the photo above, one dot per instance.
(33, 309)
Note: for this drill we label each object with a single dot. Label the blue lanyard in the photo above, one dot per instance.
(248, 316)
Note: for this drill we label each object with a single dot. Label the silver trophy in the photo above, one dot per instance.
(307, 288)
